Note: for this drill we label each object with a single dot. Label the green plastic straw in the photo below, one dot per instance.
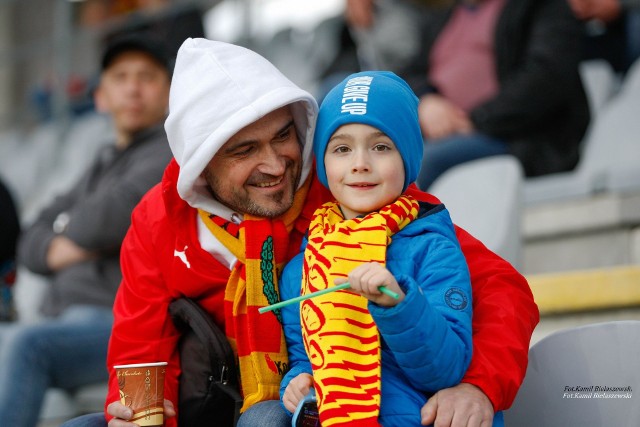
(285, 303)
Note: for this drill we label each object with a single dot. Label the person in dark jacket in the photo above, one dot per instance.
(75, 242)
(497, 77)
(611, 31)
(9, 233)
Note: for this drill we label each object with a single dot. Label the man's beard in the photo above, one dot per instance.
(253, 208)
(240, 203)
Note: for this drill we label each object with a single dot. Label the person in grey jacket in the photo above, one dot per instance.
(75, 242)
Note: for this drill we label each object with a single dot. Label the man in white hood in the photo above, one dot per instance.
(232, 208)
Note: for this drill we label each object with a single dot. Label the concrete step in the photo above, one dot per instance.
(599, 231)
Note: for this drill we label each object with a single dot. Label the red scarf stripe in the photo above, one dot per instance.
(350, 306)
(315, 270)
(230, 227)
(346, 349)
(357, 381)
(349, 409)
(319, 258)
(362, 325)
(359, 367)
(363, 339)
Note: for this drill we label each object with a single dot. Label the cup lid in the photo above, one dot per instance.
(139, 365)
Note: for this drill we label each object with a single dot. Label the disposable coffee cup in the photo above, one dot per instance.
(142, 389)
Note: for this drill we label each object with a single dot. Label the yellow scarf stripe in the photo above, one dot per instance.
(340, 336)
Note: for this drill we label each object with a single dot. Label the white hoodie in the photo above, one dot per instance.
(218, 89)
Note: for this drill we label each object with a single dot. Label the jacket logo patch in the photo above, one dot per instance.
(456, 298)
(183, 256)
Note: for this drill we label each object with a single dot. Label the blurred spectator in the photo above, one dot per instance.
(9, 233)
(170, 21)
(386, 32)
(612, 30)
(496, 77)
(75, 241)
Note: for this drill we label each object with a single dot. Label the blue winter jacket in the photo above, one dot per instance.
(426, 339)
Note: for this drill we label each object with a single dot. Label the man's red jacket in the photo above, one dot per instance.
(162, 260)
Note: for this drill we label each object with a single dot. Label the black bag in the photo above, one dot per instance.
(208, 393)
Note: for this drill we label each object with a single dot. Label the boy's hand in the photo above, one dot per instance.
(365, 280)
(297, 389)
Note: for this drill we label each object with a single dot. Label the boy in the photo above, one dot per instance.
(368, 148)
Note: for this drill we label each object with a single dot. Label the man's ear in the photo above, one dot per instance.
(100, 100)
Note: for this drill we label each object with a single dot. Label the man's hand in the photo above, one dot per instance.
(122, 413)
(297, 389)
(440, 118)
(464, 405)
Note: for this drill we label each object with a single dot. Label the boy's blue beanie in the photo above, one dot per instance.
(376, 98)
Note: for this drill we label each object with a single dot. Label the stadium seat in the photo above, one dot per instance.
(600, 82)
(610, 152)
(484, 198)
(582, 376)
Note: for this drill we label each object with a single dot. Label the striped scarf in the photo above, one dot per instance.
(339, 334)
(261, 249)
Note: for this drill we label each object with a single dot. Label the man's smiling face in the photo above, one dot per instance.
(258, 169)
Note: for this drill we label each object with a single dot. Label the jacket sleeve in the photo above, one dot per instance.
(428, 334)
(99, 221)
(290, 285)
(546, 74)
(504, 317)
(35, 240)
(143, 330)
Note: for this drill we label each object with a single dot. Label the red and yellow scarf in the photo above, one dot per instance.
(340, 336)
(261, 249)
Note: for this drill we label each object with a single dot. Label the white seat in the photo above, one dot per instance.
(600, 82)
(610, 154)
(598, 355)
(484, 197)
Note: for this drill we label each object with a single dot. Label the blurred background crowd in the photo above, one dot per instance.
(550, 88)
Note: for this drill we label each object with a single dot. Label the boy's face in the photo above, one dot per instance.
(364, 169)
